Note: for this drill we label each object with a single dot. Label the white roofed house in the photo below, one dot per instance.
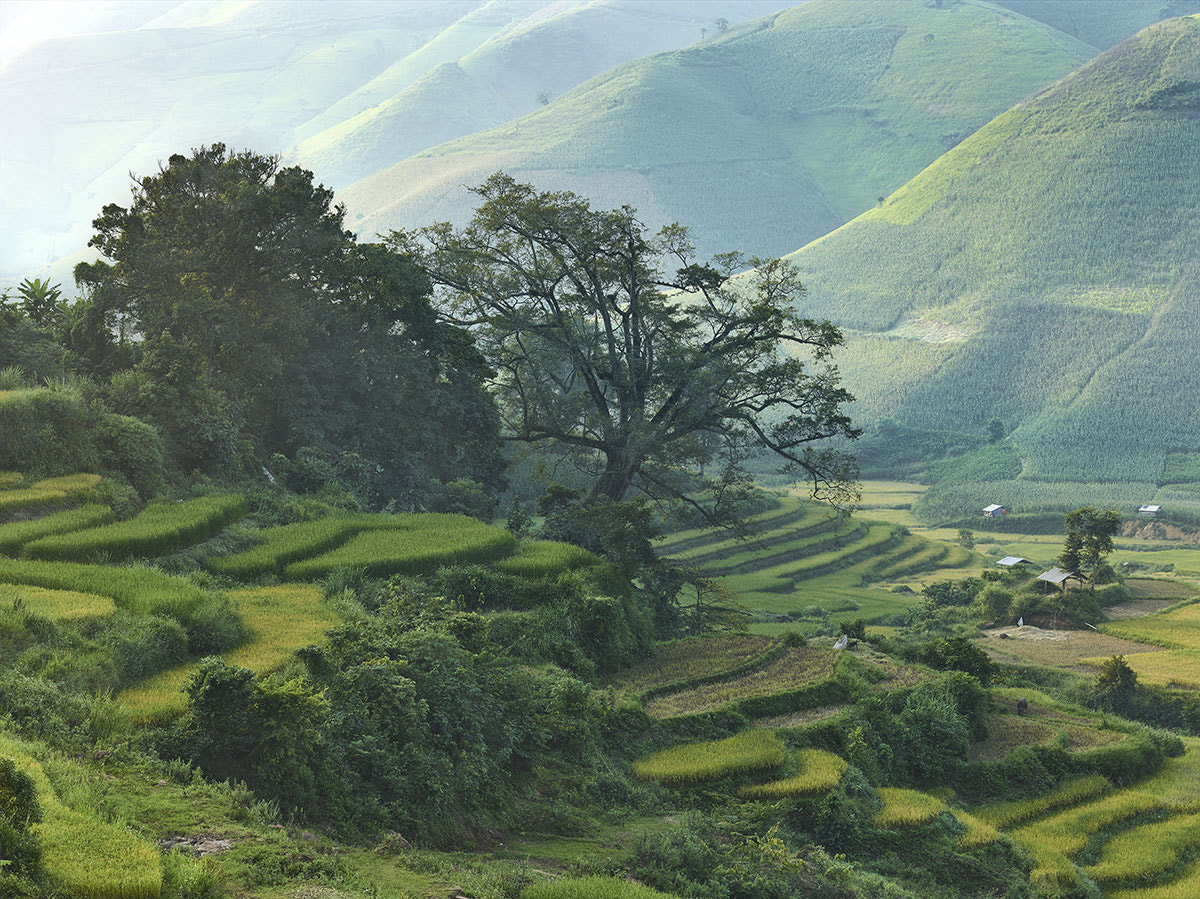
(995, 510)
(1013, 561)
(1149, 511)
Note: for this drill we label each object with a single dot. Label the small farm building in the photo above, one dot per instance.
(995, 510)
(1149, 511)
(1058, 577)
(1013, 561)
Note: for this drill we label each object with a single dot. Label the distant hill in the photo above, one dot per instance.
(80, 112)
(554, 48)
(760, 138)
(1046, 272)
(1101, 23)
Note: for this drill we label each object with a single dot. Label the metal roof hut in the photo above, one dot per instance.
(1013, 561)
(995, 510)
(1059, 578)
(1149, 511)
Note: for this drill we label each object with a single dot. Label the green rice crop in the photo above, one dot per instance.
(16, 534)
(10, 479)
(1068, 831)
(797, 668)
(1177, 783)
(682, 660)
(906, 808)
(1186, 886)
(46, 492)
(86, 856)
(292, 542)
(141, 590)
(978, 833)
(751, 750)
(422, 543)
(546, 558)
(158, 529)
(1179, 668)
(281, 619)
(1006, 814)
(1145, 852)
(57, 605)
(818, 771)
(1177, 628)
(592, 888)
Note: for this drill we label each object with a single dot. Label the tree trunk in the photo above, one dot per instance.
(614, 483)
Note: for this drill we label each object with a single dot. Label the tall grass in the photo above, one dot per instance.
(158, 529)
(818, 771)
(16, 534)
(978, 833)
(751, 750)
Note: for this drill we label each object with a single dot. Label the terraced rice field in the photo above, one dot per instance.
(907, 808)
(797, 668)
(281, 619)
(546, 558)
(1176, 628)
(158, 529)
(1175, 668)
(1143, 836)
(817, 772)
(85, 856)
(16, 534)
(688, 763)
(57, 605)
(802, 556)
(686, 659)
(47, 492)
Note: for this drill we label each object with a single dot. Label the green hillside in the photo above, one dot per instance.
(808, 115)
(491, 66)
(1043, 272)
(1101, 23)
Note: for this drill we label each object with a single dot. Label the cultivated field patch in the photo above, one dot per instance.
(817, 771)
(751, 750)
(797, 668)
(685, 659)
(57, 605)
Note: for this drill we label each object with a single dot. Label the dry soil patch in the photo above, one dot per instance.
(1055, 648)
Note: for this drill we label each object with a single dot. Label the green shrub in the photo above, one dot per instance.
(20, 849)
(46, 432)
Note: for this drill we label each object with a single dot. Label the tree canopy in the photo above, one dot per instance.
(1089, 538)
(619, 348)
(236, 312)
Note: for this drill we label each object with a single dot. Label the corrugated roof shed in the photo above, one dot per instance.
(994, 507)
(1056, 576)
(1009, 561)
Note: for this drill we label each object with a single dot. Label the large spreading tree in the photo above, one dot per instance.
(233, 308)
(619, 347)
